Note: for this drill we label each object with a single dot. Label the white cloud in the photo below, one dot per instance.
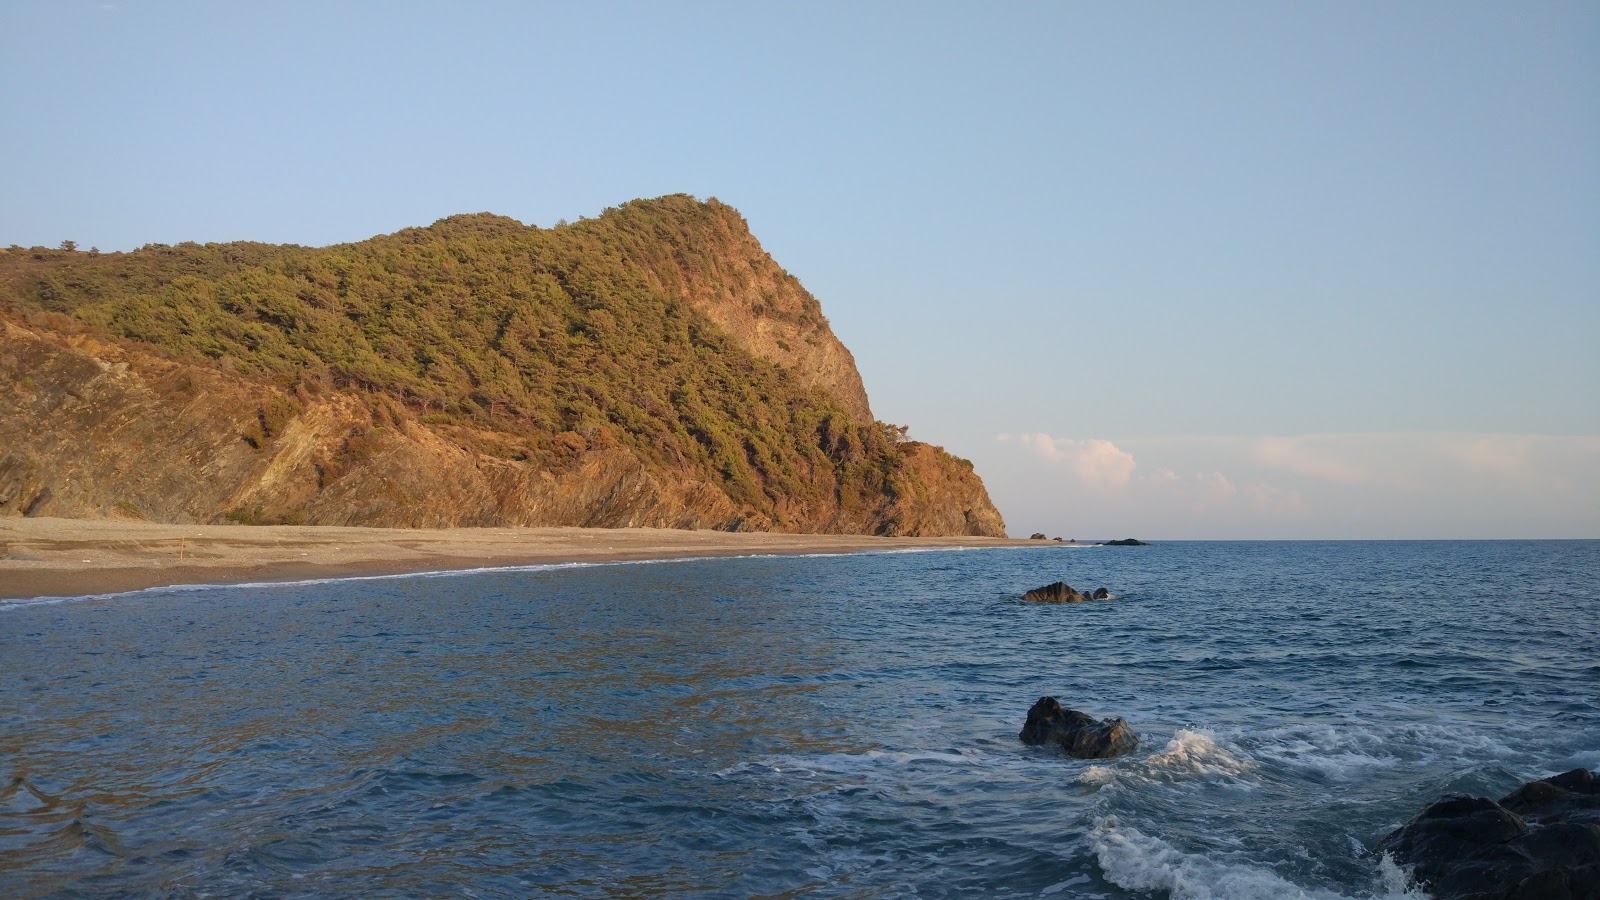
(1394, 485)
(1098, 463)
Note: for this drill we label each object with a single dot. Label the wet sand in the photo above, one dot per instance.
(44, 557)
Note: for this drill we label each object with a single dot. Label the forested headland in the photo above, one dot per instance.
(650, 366)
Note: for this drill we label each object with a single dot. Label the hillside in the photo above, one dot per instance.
(652, 366)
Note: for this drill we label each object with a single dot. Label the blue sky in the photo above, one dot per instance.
(1172, 270)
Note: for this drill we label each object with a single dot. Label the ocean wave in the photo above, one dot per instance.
(7, 605)
(1136, 861)
(1587, 759)
(1189, 754)
(1198, 753)
(1352, 751)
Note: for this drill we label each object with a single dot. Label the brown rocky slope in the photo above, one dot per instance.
(262, 384)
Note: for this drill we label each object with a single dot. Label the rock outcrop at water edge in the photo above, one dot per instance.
(1077, 733)
(1541, 842)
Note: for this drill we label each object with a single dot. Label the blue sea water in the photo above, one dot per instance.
(839, 726)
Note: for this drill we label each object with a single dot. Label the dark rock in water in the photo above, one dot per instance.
(1541, 842)
(1056, 539)
(1061, 592)
(1036, 536)
(1078, 733)
(1125, 542)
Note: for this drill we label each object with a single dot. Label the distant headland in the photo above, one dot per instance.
(650, 367)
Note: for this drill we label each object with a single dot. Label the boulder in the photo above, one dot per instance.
(1061, 592)
(1077, 733)
(1036, 536)
(1540, 842)
(1125, 542)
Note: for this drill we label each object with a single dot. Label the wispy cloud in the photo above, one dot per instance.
(1097, 462)
(1393, 484)
(1312, 456)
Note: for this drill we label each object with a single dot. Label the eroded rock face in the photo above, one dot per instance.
(1541, 842)
(1061, 592)
(1077, 733)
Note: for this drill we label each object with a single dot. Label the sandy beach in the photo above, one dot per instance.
(45, 557)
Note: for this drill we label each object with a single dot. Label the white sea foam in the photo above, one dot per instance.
(1098, 776)
(1189, 754)
(1395, 880)
(312, 582)
(1354, 751)
(1340, 752)
(1588, 759)
(1138, 862)
(1198, 753)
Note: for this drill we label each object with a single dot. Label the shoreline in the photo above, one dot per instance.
(50, 557)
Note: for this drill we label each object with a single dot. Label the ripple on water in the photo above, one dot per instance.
(838, 726)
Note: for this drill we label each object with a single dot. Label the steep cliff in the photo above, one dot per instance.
(718, 266)
(652, 366)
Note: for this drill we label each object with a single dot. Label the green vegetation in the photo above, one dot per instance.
(526, 343)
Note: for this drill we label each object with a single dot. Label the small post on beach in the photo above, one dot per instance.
(183, 544)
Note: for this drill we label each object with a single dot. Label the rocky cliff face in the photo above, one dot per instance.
(723, 271)
(95, 423)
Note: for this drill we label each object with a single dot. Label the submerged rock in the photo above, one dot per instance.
(1077, 733)
(1541, 842)
(1125, 542)
(1061, 592)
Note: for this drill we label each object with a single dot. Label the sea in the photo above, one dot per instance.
(795, 726)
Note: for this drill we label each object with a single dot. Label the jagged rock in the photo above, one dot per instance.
(1541, 842)
(1061, 592)
(1125, 542)
(1077, 733)
(1036, 536)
